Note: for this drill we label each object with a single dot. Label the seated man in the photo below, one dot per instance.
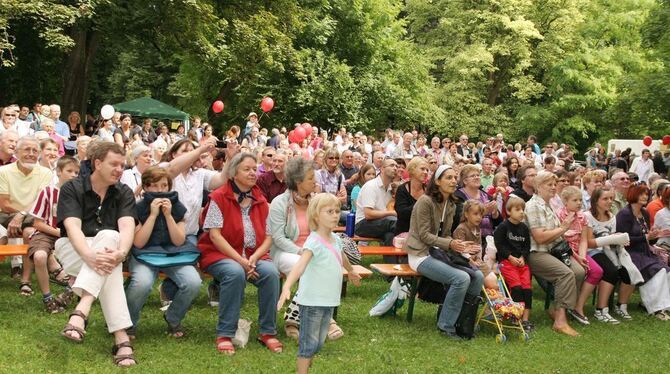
(272, 182)
(526, 175)
(98, 215)
(373, 219)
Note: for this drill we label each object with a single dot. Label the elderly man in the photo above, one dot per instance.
(272, 182)
(526, 174)
(97, 213)
(8, 141)
(435, 150)
(373, 217)
(20, 183)
(406, 149)
(395, 143)
(464, 150)
(377, 161)
(61, 128)
(620, 183)
(488, 171)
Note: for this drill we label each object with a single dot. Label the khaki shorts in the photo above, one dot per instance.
(5, 218)
(41, 242)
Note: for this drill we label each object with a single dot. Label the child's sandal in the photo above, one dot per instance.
(225, 345)
(334, 331)
(26, 289)
(271, 342)
(62, 281)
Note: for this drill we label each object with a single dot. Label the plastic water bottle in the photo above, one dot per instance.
(351, 222)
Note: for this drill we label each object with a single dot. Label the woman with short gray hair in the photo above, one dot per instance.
(289, 227)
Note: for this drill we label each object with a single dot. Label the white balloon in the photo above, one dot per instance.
(107, 111)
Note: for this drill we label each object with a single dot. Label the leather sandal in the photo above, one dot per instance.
(271, 342)
(292, 331)
(70, 327)
(62, 281)
(225, 345)
(117, 358)
(334, 331)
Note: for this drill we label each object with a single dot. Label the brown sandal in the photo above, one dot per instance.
(117, 358)
(70, 327)
(63, 281)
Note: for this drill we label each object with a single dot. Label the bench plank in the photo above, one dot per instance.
(381, 251)
(13, 250)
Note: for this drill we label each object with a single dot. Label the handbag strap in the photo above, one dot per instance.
(444, 211)
(330, 247)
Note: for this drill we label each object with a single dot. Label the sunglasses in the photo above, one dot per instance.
(269, 155)
(333, 158)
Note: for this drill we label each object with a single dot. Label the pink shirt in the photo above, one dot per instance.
(574, 234)
(303, 226)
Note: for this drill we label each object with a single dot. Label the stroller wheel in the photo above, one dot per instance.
(524, 337)
(501, 338)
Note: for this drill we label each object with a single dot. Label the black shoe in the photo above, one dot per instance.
(451, 335)
(578, 317)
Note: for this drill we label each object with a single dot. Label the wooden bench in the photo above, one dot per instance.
(366, 239)
(381, 251)
(406, 275)
(13, 250)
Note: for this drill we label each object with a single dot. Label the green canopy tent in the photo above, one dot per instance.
(151, 108)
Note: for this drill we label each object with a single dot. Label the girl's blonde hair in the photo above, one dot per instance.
(472, 204)
(498, 177)
(570, 191)
(316, 204)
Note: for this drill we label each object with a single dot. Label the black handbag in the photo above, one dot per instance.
(562, 251)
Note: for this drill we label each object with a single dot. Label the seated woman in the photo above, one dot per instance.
(237, 252)
(430, 226)
(160, 245)
(546, 231)
(288, 224)
(634, 220)
(617, 267)
(408, 192)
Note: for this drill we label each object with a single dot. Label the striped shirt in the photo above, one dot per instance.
(45, 205)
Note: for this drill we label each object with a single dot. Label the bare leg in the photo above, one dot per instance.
(121, 336)
(584, 293)
(604, 291)
(40, 259)
(625, 291)
(303, 365)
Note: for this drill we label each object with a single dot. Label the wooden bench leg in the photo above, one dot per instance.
(344, 289)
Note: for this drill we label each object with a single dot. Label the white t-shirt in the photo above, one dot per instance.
(662, 221)
(132, 178)
(373, 195)
(600, 229)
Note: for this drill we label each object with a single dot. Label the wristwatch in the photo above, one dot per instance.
(23, 213)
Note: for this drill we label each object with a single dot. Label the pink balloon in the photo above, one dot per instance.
(308, 128)
(647, 140)
(267, 104)
(218, 106)
(300, 133)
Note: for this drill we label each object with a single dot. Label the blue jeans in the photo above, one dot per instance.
(169, 287)
(142, 277)
(459, 284)
(230, 274)
(314, 324)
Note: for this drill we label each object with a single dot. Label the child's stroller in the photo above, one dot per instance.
(501, 311)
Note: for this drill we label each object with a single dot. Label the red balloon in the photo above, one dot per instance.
(647, 140)
(291, 136)
(308, 128)
(267, 104)
(217, 107)
(666, 140)
(300, 133)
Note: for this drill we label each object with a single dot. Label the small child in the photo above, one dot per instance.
(42, 240)
(499, 191)
(512, 240)
(320, 273)
(468, 230)
(577, 238)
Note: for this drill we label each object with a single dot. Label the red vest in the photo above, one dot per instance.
(233, 230)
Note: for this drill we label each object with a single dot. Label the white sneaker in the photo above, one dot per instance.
(604, 316)
(622, 311)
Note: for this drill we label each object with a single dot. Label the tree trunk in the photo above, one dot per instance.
(77, 69)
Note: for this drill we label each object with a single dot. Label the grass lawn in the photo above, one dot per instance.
(32, 344)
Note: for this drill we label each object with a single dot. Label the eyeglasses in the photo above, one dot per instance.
(269, 155)
(333, 158)
(10, 115)
(433, 162)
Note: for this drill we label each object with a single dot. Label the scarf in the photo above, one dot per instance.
(241, 195)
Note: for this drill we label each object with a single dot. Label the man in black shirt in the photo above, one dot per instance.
(97, 215)
(526, 175)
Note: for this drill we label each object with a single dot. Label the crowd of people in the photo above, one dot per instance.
(87, 196)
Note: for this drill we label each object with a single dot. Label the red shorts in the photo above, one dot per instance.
(515, 276)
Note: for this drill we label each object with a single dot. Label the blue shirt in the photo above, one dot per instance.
(62, 129)
(321, 283)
